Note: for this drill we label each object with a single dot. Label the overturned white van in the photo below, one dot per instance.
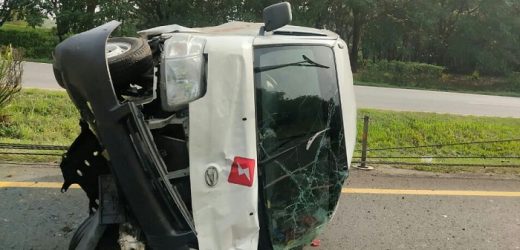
(238, 136)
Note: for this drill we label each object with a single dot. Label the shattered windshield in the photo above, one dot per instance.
(301, 148)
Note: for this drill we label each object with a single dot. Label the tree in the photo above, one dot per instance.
(487, 39)
(188, 13)
(72, 16)
(463, 35)
(120, 10)
(10, 75)
(22, 9)
(163, 12)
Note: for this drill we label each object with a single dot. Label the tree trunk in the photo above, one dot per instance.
(356, 40)
(91, 10)
(91, 6)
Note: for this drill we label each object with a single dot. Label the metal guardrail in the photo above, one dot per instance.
(32, 146)
(32, 150)
(393, 163)
(444, 145)
(363, 160)
(29, 153)
(384, 160)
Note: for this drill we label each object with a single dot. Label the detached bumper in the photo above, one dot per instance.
(81, 67)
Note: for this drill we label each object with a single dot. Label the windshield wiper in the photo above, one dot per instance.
(307, 139)
(307, 62)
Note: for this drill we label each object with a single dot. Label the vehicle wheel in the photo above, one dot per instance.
(128, 59)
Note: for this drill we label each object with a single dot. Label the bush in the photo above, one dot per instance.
(34, 43)
(406, 74)
(10, 76)
(514, 80)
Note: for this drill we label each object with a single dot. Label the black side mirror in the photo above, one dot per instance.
(277, 16)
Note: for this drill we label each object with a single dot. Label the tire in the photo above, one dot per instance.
(128, 59)
(106, 241)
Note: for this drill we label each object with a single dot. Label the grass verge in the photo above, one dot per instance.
(48, 117)
(39, 60)
(39, 117)
(403, 129)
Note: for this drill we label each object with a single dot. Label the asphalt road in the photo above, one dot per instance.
(423, 221)
(437, 102)
(375, 213)
(40, 75)
(34, 218)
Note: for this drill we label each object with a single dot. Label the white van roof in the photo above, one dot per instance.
(242, 29)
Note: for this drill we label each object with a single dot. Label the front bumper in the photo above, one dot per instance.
(136, 165)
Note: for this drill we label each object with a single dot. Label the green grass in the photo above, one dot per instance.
(396, 129)
(22, 26)
(402, 129)
(48, 117)
(39, 60)
(39, 117)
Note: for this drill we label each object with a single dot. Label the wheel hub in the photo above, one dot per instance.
(117, 48)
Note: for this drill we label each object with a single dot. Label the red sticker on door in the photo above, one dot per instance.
(242, 172)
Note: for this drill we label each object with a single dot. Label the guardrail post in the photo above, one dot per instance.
(364, 144)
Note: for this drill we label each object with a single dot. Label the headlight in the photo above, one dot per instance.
(182, 70)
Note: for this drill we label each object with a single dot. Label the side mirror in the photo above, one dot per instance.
(277, 16)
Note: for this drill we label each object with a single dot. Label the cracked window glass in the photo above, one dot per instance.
(301, 148)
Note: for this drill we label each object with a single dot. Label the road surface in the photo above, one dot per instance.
(40, 75)
(383, 209)
(437, 102)
(425, 220)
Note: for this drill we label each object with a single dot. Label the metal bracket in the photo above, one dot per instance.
(111, 207)
(161, 123)
(178, 174)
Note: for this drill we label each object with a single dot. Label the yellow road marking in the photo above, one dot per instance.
(429, 192)
(17, 184)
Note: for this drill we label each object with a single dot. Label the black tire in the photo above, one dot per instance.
(128, 67)
(108, 240)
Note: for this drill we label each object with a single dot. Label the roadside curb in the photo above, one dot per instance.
(398, 172)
